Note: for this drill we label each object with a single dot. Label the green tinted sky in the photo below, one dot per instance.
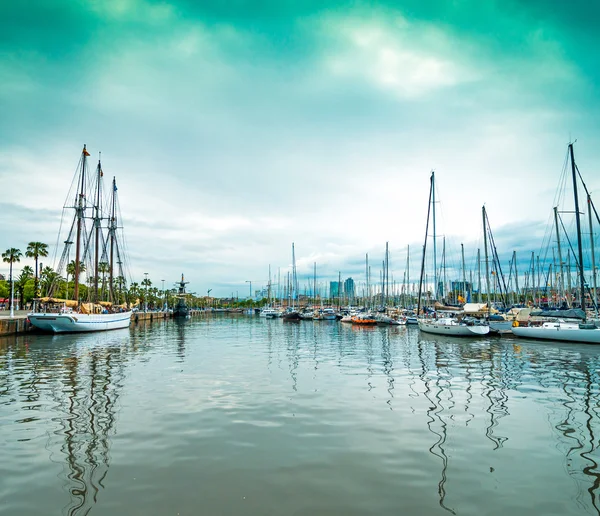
(235, 128)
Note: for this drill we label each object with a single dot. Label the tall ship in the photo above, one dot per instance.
(181, 309)
(99, 303)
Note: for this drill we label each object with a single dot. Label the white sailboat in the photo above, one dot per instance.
(95, 314)
(453, 327)
(446, 325)
(560, 328)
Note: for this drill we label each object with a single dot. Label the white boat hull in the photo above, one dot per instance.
(565, 333)
(454, 330)
(74, 323)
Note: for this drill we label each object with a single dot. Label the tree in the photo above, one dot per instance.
(103, 268)
(21, 282)
(11, 256)
(48, 278)
(36, 250)
(71, 268)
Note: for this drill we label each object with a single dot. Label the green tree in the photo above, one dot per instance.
(36, 250)
(11, 256)
(4, 290)
(103, 269)
(21, 282)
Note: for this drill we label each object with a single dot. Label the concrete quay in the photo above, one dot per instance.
(20, 324)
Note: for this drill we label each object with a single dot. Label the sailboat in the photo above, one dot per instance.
(181, 309)
(568, 325)
(291, 314)
(94, 313)
(446, 325)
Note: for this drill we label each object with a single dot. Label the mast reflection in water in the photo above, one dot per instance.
(243, 415)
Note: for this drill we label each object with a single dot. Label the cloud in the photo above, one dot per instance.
(233, 132)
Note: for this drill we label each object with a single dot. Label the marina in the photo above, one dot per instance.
(299, 258)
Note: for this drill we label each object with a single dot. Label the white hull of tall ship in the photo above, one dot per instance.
(452, 328)
(562, 331)
(74, 323)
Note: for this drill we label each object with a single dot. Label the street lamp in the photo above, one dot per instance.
(208, 295)
(146, 296)
(164, 295)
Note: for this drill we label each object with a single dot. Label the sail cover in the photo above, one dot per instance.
(572, 313)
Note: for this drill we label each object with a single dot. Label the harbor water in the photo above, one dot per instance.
(226, 415)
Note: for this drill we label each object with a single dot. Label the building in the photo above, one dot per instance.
(459, 286)
(349, 287)
(334, 289)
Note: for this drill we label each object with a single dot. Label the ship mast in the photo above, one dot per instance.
(112, 229)
(79, 209)
(431, 188)
(97, 229)
(578, 223)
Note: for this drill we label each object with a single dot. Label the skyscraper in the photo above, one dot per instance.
(349, 287)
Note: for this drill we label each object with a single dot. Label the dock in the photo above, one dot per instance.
(20, 324)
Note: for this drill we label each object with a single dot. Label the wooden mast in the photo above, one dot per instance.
(79, 209)
(97, 229)
(113, 225)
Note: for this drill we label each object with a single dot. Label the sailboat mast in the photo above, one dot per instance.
(113, 226)
(315, 284)
(294, 283)
(435, 285)
(560, 261)
(97, 229)
(595, 299)
(407, 271)
(425, 246)
(443, 268)
(516, 277)
(578, 223)
(487, 264)
(462, 250)
(367, 277)
(479, 275)
(79, 213)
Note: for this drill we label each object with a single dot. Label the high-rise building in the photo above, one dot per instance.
(349, 287)
(334, 288)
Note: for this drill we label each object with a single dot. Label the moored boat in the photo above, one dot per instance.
(453, 327)
(96, 313)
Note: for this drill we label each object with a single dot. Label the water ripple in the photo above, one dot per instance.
(238, 415)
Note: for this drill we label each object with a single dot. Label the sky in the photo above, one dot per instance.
(237, 128)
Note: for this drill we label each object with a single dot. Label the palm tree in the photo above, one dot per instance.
(11, 256)
(71, 268)
(47, 279)
(24, 277)
(36, 250)
(103, 268)
(119, 283)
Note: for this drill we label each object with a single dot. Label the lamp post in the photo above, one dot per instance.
(208, 295)
(164, 295)
(146, 296)
(12, 295)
